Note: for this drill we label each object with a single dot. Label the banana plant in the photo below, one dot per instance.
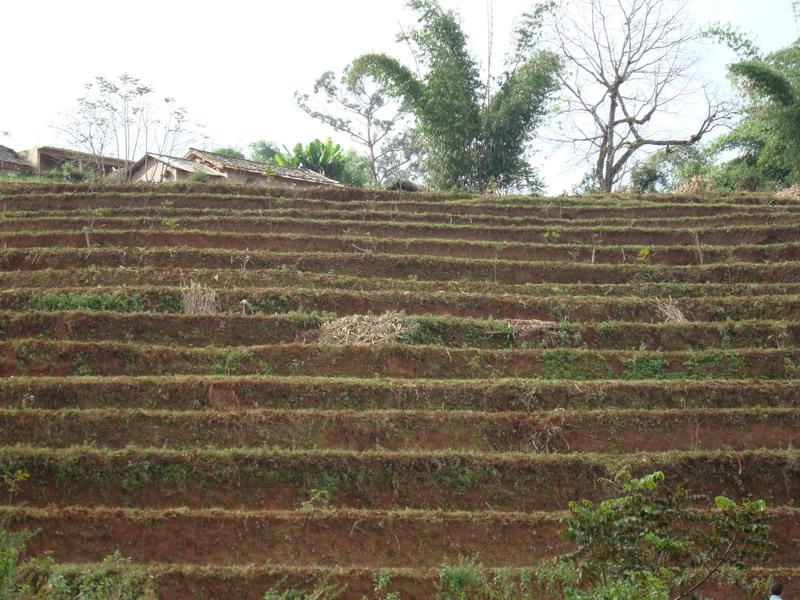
(326, 158)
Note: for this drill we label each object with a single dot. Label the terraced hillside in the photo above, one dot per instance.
(533, 347)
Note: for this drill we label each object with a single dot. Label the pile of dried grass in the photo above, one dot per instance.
(790, 193)
(533, 330)
(198, 299)
(362, 329)
(668, 310)
(698, 185)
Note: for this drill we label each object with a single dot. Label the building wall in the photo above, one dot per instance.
(43, 160)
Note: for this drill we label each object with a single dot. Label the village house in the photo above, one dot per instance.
(12, 164)
(242, 170)
(160, 168)
(50, 158)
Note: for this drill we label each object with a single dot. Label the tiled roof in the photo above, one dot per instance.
(7, 155)
(251, 166)
(189, 166)
(77, 155)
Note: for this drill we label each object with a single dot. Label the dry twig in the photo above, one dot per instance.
(361, 329)
(668, 310)
(198, 299)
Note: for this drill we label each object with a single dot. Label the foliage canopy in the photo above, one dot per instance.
(475, 138)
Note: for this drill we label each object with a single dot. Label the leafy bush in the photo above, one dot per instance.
(648, 541)
(41, 579)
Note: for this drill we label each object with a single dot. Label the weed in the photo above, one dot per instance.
(715, 363)
(42, 579)
(82, 367)
(117, 301)
(322, 591)
(644, 367)
(233, 362)
(318, 499)
(381, 585)
(644, 255)
(791, 369)
(565, 364)
(552, 232)
(12, 479)
(461, 581)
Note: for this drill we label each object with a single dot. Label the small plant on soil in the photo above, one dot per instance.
(322, 591)
(647, 540)
(12, 479)
(644, 255)
(468, 579)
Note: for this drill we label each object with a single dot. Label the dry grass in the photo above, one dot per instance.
(790, 193)
(533, 330)
(198, 299)
(698, 185)
(669, 312)
(361, 329)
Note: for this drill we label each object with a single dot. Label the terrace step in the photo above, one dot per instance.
(226, 329)
(38, 357)
(516, 251)
(158, 214)
(235, 393)
(271, 301)
(243, 280)
(619, 431)
(258, 479)
(360, 539)
(591, 207)
(363, 264)
(596, 235)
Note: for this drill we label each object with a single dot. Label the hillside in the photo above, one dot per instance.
(533, 346)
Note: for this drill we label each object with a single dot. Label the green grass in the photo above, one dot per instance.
(117, 301)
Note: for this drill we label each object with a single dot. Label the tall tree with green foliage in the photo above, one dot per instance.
(767, 139)
(476, 137)
(229, 151)
(264, 151)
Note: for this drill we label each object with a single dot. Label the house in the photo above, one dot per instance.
(49, 158)
(12, 164)
(242, 170)
(159, 168)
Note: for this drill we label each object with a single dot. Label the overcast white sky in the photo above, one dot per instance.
(236, 65)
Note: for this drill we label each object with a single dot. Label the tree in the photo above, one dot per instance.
(229, 151)
(120, 118)
(371, 120)
(767, 139)
(628, 62)
(668, 169)
(476, 138)
(264, 151)
(648, 541)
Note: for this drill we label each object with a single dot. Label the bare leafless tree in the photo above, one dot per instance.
(120, 118)
(628, 64)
